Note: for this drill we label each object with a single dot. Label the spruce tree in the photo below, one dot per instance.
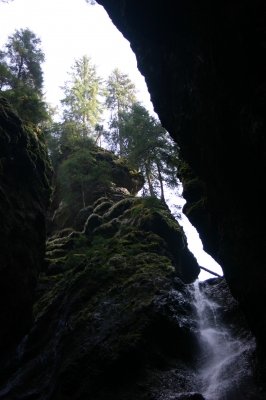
(80, 173)
(21, 76)
(74, 173)
(82, 102)
(24, 57)
(121, 95)
(149, 149)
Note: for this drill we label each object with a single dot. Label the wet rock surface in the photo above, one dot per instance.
(228, 366)
(204, 65)
(115, 327)
(25, 174)
(113, 318)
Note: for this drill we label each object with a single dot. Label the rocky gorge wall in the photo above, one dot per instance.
(113, 316)
(114, 308)
(25, 175)
(204, 64)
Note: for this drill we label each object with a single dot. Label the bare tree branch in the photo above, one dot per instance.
(211, 272)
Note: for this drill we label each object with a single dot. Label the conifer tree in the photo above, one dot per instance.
(21, 76)
(82, 103)
(121, 95)
(79, 173)
(149, 148)
(74, 174)
(24, 57)
(5, 73)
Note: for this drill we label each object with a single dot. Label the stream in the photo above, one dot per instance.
(222, 368)
(225, 371)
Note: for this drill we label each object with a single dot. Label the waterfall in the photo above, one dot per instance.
(224, 372)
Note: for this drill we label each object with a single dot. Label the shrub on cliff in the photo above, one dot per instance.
(80, 171)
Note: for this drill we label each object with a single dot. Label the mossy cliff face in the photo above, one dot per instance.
(204, 65)
(24, 197)
(124, 180)
(113, 318)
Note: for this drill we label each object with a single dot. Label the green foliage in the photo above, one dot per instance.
(21, 76)
(121, 95)
(74, 172)
(64, 138)
(80, 241)
(5, 73)
(102, 174)
(80, 172)
(24, 59)
(99, 247)
(121, 92)
(82, 103)
(149, 148)
(152, 203)
(76, 256)
(82, 109)
(84, 252)
(132, 250)
(28, 104)
(105, 272)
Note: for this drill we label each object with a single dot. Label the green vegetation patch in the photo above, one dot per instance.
(97, 266)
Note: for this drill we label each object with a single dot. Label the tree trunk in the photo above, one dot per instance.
(84, 126)
(98, 139)
(148, 176)
(20, 67)
(121, 147)
(83, 195)
(161, 181)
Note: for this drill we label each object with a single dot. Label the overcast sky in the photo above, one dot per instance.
(70, 29)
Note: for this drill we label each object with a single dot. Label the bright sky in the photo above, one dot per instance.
(70, 29)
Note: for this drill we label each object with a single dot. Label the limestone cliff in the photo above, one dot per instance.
(204, 64)
(25, 174)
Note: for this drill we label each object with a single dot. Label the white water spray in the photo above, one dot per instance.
(224, 373)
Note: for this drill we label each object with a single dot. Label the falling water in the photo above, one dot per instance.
(225, 373)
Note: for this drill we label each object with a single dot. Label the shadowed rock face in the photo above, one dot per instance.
(125, 181)
(24, 198)
(204, 64)
(113, 318)
(107, 296)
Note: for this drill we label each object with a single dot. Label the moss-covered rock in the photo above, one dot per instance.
(116, 308)
(82, 217)
(108, 229)
(103, 207)
(120, 207)
(124, 181)
(93, 222)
